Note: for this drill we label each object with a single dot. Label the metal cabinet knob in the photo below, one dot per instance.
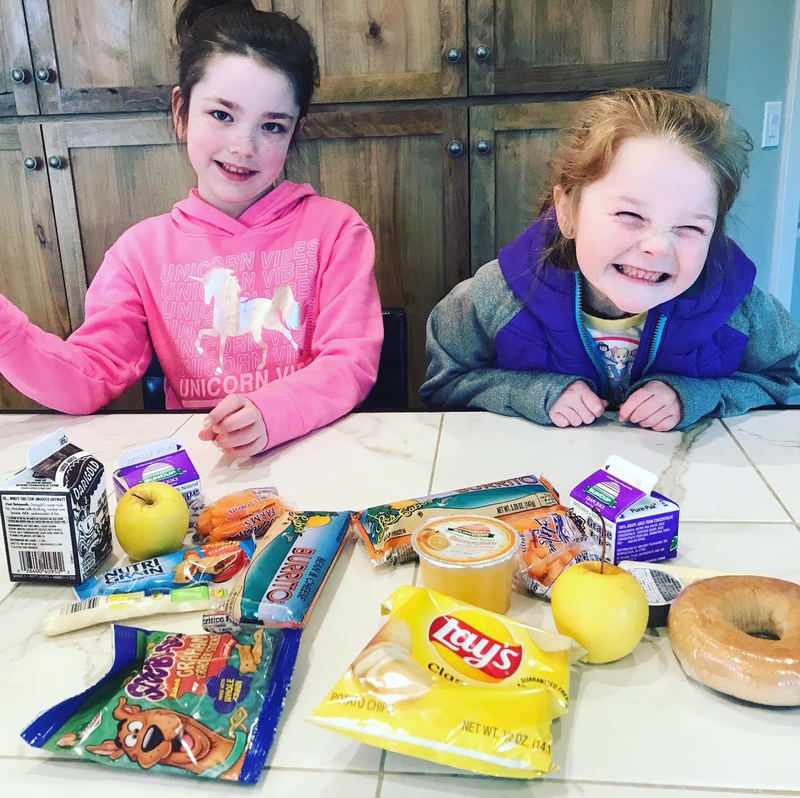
(482, 146)
(44, 74)
(55, 162)
(481, 52)
(453, 55)
(32, 163)
(19, 75)
(455, 148)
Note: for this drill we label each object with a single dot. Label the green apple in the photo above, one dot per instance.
(606, 612)
(151, 518)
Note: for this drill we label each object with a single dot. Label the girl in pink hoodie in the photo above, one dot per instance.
(258, 296)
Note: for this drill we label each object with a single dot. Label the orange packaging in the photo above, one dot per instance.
(447, 681)
(239, 515)
(469, 557)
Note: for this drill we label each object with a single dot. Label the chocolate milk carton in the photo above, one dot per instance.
(54, 514)
(640, 523)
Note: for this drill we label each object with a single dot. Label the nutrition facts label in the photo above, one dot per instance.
(37, 533)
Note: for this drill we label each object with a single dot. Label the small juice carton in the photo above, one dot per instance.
(640, 523)
(54, 514)
(161, 461)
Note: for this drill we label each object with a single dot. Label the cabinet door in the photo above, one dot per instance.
(510, 169)
(396, 169)
(30, 268)
(111, 173)
(584, 45)
(102, 55)
(385, 51)
(17, 87)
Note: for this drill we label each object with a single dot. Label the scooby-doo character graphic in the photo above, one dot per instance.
(165, 737)
(162, 736)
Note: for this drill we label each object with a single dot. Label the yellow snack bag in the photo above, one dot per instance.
(446, 681)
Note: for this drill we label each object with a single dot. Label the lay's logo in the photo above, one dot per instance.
(487, 658)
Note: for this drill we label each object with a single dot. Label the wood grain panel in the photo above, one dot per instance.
(382, 51)
(508, 183)
(15, 98)
(31, 275)
(411, 193)
(584, 45)
(109, 55)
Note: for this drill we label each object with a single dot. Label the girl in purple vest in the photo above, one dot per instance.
(625, 293)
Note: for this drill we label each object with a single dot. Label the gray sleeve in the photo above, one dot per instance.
(461, 351)
(769, 373)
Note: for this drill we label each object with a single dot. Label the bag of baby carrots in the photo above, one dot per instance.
(549, 543)
(239, 515)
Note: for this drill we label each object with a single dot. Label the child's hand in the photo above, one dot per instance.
(578, 405)
(654, 405)
(236, 426)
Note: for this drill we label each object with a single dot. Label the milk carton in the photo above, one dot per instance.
(161, 461)
(54, 514)
(640, 523)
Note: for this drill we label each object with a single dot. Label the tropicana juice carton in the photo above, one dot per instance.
(640, 523)
(54, 514)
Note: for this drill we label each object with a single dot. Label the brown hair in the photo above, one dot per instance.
(701, 127)
(205, 28)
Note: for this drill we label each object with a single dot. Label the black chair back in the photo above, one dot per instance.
(390, 391)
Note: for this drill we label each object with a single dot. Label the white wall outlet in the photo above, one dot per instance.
(771, 132)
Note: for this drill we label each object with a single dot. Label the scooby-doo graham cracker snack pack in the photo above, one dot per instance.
(202, 705)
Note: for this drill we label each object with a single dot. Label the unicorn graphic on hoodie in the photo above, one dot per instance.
(233, 315)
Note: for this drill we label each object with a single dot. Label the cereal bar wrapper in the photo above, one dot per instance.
(212, 562)
(287, 572)
(202, 705)
(446, 681)
(386, 528)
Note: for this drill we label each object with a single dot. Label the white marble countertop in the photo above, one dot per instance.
(637, 727)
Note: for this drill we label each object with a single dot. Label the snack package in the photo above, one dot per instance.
(386, 528)
(215, 562)
(239, 515)
(446, 681)
(123, 606)
(549, 543)
(291, 562)
(202, 705)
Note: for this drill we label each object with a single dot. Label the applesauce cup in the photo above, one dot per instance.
(469, 557)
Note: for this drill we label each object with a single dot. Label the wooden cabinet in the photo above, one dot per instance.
(396, 168)
(546, 46)
(30, 275)
(435, 120)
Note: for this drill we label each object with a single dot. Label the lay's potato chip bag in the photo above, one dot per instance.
(449, 682)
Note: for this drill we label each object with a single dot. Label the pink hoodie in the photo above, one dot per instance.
(280, 305)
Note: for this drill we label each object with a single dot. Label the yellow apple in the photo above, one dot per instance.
(605, 612)
(151, 518)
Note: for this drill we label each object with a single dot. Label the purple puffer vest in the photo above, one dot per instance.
(692, 339)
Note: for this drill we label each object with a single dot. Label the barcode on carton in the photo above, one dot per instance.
(44, 562)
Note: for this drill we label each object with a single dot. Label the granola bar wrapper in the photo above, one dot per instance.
(449, 682)
(386, 529)
(202, 705)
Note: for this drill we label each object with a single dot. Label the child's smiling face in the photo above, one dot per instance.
(238, 130)
(642, 231)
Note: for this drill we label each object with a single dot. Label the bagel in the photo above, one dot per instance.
(741, 636)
